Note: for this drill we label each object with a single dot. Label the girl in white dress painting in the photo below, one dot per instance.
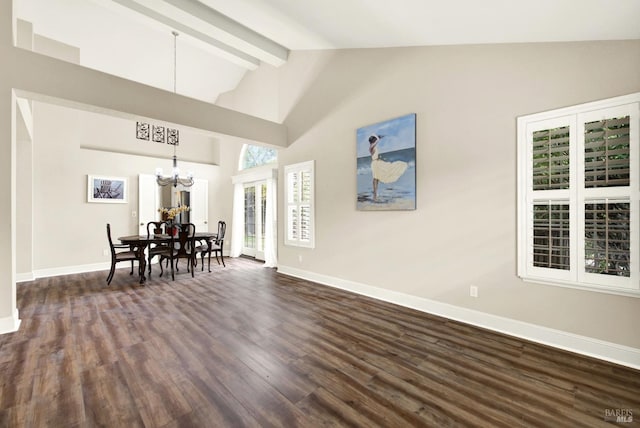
(383, 171)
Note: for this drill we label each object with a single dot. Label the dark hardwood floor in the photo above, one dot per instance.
(246, 346)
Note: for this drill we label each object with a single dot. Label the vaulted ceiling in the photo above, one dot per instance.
(220, 40)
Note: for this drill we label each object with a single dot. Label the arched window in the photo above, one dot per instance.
(253, 156)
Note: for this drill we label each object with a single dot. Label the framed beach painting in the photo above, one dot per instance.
(110, 190)
(386, 165)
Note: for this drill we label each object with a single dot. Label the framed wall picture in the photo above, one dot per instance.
(158, 134)
(386, 165)
(142, 131)
(110, 190)
(173, 136)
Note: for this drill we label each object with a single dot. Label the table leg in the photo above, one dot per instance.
(142, 264)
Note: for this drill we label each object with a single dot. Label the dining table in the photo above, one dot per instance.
(139, 244)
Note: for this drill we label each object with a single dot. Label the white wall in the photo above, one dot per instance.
(463, 232)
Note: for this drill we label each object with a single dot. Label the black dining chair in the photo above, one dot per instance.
(165, 249)
(119, 256)
(187, 246)
(155, 248)
(218, 245)
(216, 248)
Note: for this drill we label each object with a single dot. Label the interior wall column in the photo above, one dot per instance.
(24, 207)
(9, 320)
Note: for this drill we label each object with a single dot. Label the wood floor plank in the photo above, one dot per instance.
(244, 346)
(366, 402)
(19, 415)
(265, 403)
(107, 398)
(323, 409)
(277, 373)
(17, 374)
(215, 403)
(156, 395)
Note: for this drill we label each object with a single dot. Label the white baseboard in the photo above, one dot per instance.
(24, 277)
(65, 270)
(10, 324)
(68, 270)
(584, 345)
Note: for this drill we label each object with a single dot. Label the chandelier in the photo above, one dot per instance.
(174, 178)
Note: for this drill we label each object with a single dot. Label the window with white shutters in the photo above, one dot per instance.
(299, 196)
(579, 196)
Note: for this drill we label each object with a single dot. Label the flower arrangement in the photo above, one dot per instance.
(171, 213)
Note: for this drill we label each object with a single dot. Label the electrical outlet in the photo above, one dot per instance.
(134, 214)
(299, 258)
(473, 291)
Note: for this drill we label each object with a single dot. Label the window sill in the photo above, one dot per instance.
(628, 292)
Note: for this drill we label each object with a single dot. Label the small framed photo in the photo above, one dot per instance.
(158, 134)
(142, 131)
(109, 190)
(173, 136)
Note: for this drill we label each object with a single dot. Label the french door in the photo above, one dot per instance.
(255, 212)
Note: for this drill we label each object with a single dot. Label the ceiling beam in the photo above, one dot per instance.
(234, 33)
(231, 40)
(39, 77)
(218, 48)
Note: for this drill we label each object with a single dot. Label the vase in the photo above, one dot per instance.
(172, 229)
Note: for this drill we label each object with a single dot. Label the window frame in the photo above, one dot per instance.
(246, 149)
(578, 195)
(290, 202)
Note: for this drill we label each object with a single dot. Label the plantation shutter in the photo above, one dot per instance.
(549, 166)
(608, 238)
(606, 153)
(551, 244)
(551, 159)
(607, 220)
(305, 206)
(300, 210)
(293, 211)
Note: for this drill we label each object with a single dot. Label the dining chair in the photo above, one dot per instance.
(165, 250)
(187, 246)
(119, 256)
(216, 246)
(202, 248)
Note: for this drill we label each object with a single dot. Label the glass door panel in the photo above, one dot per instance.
(249, 246)
(255, 213)
(263, 221)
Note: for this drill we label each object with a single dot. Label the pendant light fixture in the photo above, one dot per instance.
(174, 178)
